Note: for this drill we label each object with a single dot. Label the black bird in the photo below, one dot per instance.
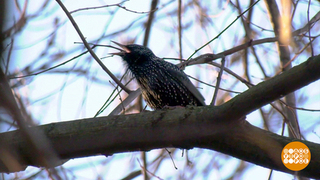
(162, 83)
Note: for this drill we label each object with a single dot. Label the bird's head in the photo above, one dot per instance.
(134, 54)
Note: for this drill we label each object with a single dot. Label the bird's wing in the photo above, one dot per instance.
(182, 77)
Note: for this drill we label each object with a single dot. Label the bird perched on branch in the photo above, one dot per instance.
(162, 83)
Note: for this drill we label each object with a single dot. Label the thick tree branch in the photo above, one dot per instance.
(221, 128)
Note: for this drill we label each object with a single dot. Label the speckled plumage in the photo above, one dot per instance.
(162, 83)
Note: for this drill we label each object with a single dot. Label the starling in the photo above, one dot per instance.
(162, 83)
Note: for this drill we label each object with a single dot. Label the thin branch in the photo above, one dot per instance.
(223, 30)
(180, 28)
(284, 56)
(111, 5)
(154, 4)
(227, 90)
(308, 18)
(89, 49)
(218, 82)
(220, 128)
(51, 68)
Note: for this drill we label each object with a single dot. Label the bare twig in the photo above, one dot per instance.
(180, 28)
(222, 30)
(111, 5)
(147, 171)
(149, 23)
(284, 56)
(218, 82)
(223, 89)
(308, 18)
(51, 68)
(89, 49)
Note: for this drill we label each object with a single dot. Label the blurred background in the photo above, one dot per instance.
(54, 79)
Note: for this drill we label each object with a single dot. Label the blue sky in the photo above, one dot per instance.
(56, 97)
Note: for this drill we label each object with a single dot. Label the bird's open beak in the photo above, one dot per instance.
(123, 51)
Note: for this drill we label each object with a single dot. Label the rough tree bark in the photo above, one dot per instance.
(222, 128)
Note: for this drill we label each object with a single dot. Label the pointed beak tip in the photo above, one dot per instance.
(124, 48)
(115, 42)
(117, 53)
(121, 45)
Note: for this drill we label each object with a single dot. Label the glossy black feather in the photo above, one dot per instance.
(162, 83)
